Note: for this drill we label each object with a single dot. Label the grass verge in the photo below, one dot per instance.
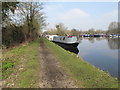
(86, 74)
(21, 64)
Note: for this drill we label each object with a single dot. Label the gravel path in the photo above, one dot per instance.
(53, 75)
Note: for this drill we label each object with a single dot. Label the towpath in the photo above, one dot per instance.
(53, 75)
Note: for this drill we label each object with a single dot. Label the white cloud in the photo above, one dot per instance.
(112, 14)
(103, 21)
(74, 18)
(53, 7)
(79, 19)
(75, 13)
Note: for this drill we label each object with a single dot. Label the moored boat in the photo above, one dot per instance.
(69, 40)
(96, 35)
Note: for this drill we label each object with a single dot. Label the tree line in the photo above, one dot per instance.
(62, 30)
(21, 21)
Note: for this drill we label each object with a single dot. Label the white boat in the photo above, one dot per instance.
(69, 40)
(115, 35)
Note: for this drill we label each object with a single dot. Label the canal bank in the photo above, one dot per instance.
(46, 65)
(21, 66)
(82, 72)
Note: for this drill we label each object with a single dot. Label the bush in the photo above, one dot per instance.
(12, 35)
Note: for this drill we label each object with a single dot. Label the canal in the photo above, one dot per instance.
(100, 52)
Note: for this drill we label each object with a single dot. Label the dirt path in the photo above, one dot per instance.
(53, 74)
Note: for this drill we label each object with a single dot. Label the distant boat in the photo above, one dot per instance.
(87, 35)
(96, 35)
(114, 35)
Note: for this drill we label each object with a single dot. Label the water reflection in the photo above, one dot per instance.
(91, 40)
(100, 38)
(101, 52)
(113, 43)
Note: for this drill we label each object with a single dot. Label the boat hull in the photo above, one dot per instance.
(68, 44)
(72, 48)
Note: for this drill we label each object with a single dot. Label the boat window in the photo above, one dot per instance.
(60, 38)
(64, 38)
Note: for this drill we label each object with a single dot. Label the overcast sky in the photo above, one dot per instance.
(81, 15)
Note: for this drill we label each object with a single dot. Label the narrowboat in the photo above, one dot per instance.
(68, 40)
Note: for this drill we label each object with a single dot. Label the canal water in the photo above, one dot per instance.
(100, 52)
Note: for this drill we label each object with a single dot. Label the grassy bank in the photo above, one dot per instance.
(86, 74)
(20, 65)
